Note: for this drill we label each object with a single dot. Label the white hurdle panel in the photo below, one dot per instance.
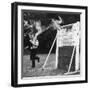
(69, 38)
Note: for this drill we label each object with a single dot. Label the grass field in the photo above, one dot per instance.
(63, 64)
(28, 71)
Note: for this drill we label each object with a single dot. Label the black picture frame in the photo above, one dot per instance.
(14, 43)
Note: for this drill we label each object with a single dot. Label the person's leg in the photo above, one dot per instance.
(32, 58)
(36, 57)
(33, 63)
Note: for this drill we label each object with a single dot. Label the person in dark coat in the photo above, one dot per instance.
(34, 43)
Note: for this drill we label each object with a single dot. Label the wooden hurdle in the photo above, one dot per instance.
(76, 47)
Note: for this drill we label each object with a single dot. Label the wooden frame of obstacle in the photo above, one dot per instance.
(76, 46)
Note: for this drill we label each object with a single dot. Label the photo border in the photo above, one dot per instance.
(14, 43)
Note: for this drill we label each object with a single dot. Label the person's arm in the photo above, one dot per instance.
(60, 20)
(36, 35)
(56, 24)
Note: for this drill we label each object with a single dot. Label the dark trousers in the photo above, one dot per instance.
(33, 57)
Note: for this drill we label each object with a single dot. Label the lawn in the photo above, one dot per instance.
(28, 71)
(50, 67)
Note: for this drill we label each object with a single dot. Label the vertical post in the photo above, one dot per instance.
(77, 47)
(57, 48)
(77, 58)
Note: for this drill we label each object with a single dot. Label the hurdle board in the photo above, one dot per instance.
(69, 37)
